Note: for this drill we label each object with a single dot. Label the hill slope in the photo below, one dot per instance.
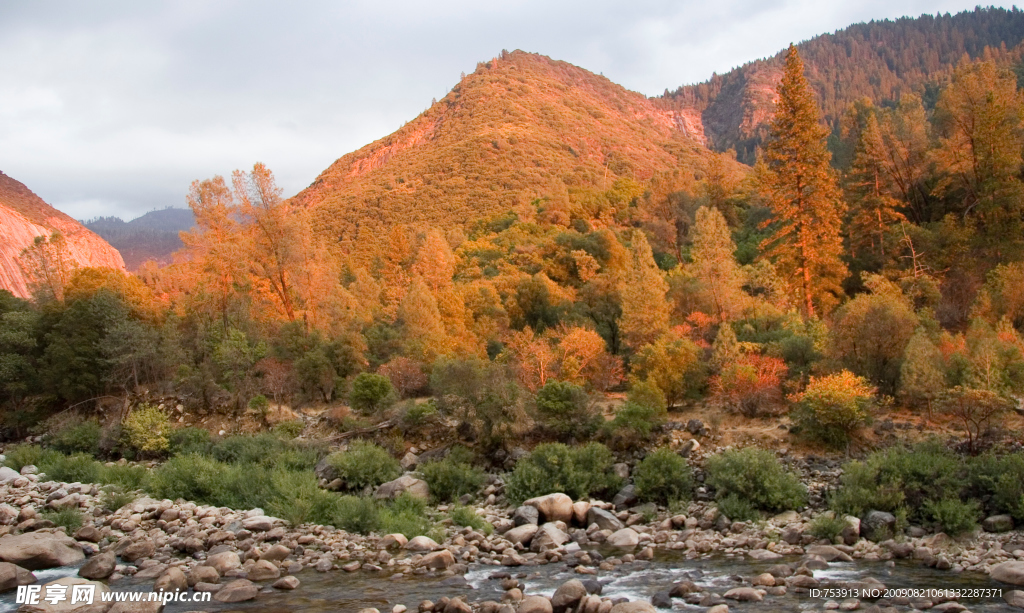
(24, 216)
(520, 127)
(880, 60)
(153, 236)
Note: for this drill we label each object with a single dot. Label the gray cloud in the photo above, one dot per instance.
(113, 108)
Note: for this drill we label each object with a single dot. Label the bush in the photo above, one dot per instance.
(736, 508)
(554, 467)
(76, 468)
(466, 516)
(146, 429)
(833, 407)
(416, 415)
(450, 478)
(405, 515)
(67, 517)
(114, 497)
(289, 429)
(953, 515)
(183, 441)
(259, 405)
(633, 425)
(192, 477)
(126, 476)
(76, 436)
(356, 514)
(370, 393)
(663, 477)
(22, 455)
(568, 410)
(364, 465)
(828, 526)
(757, 478)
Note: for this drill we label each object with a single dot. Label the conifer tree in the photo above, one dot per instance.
(425, 335)
(714, 263)
(800, 188)
(435, 263)
(873, 209)
(645, 311)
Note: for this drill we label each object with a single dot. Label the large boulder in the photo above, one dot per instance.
(172, 580)
(997, 523)
(422, 543)
(1014, 598)
(535, 604)
(1009, 572)
(526, 515)
(99, 566)
(634, 607)
(237, 591)
(626, 497)
(568, 595)
(264, 570)
(552, 507)
(878, 526)
(438, 560)
(39, 550)
(67, 585)
(549, 536)
(603, 519)
(522, 534)
(12, 575)
(626, 539)
(8, 515)
(8, 474)
(142, 548)
(224, 561)
(417, 488)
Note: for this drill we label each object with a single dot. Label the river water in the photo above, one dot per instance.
(340, 591)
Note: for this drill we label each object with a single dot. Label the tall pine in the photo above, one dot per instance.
(800, 188)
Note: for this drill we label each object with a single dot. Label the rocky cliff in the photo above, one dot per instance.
(24, 216)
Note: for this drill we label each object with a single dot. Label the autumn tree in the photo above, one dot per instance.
(48, 266)
(645, 311)
(672, 363)
(714, 264)
(873, 207)
(800, 188)
(425, 336)
(921, 374)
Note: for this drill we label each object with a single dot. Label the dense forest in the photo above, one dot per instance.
(792, 288)
(153, 236)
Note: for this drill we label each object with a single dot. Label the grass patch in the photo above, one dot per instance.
(66, 517)
(466, 516)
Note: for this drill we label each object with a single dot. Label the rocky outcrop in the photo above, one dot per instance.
(23, 217)
(39, 550)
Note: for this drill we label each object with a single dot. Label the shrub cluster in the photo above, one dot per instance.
(567, 410)
(833, 407)
(663, 476)
(554, 467)
(750, 480)
(453, 476)
(364, 465)
(145, 430)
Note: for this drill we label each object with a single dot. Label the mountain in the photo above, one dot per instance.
(520, 127)
(24, 216)
(880, 60)
(153, 236)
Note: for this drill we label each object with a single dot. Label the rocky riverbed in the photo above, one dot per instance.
(551, 554)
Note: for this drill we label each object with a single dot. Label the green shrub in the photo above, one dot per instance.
(261, 448)
(833, 407)
(1001, 480)
(633, 425)
(953, 515)
(22, 455)
(356, 514)
(568, 410)
(450, 478)
(114, 497)
(192, 477)
(259, 405)
(663, 476)
(757, 478)
(289, 429)
(736, 508)
(370, 393)
(67, 517)
(828, 526)
(405, 515)
(364, 465)
(416, 415)
(146, 429)
(648, 394)
(183, 441)
(79, 467)
(127, 476)
(466, 516)
(76, 436)
(554, 467)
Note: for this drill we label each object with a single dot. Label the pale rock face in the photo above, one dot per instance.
(23, 217)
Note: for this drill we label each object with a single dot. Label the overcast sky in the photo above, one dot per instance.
(113, 108)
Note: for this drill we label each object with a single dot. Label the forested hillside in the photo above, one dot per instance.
(153, 236)
(880, 60)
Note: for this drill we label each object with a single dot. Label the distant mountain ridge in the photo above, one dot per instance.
(153, 236)
(879, 60)
(23, 217)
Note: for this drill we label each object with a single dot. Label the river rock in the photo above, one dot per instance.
(579, 512)
(224, 561)
(828, 553)
(851, 531)
(173, 580)
(65, 605)
(634, 607)
(422, 543)
(237, 591)
(548, 536)
(204, 574)
(765, 579)
(997, 523)
(88, 533)
(682, 588)
(395, 540)
(535, 604)
(406, 484)
(409, 461)
(526, 515)
(625, 498)
(456, 605)
(878, 526)
(567, 595)
(552, 507)
(718, 608)
(744, 594)
(522, 534)
(287, 582)
(603, 519)
(142, 548)
(276, 553)
(8, 474)
(264, 570)
(1015, 598)
(99, 566)
(626, 539)
(137, 607)
(259, 523)
(438, 560)
(763, 555)
(1009, 572)
(12, 575)
(8, 515)
(40, 550)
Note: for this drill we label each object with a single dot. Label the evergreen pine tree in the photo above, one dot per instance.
(714, 263)
(873, 207)
(800, 188)
(645, 310)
